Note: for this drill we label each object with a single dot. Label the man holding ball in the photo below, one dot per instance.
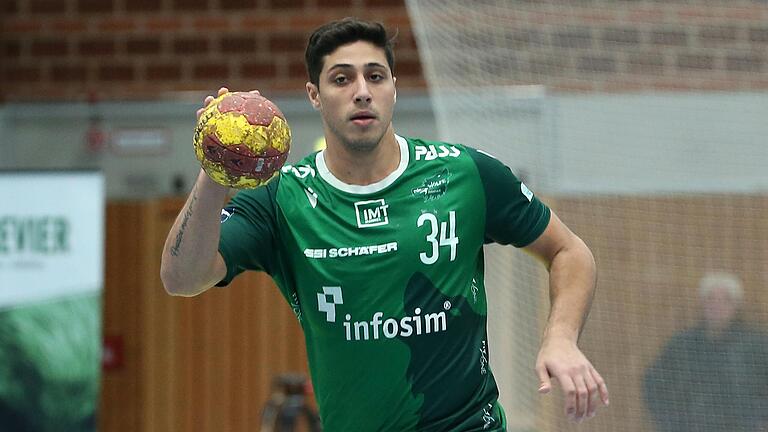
(377, 244)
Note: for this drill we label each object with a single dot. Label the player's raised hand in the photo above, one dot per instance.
(210, 98)
(582, 386)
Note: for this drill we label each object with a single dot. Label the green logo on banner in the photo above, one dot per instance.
(34, 234)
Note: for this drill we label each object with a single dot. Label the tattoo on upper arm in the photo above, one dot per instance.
(180, 235)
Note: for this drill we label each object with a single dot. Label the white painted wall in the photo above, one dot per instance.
(617, 144)
(614, 144)
(51, 136)
(663, 143)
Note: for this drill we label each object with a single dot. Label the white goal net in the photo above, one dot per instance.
(643, 125)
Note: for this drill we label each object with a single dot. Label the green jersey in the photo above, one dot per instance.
(387, 281)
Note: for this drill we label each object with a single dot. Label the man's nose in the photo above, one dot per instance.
(363, 93)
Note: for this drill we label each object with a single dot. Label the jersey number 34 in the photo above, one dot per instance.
(446, 231)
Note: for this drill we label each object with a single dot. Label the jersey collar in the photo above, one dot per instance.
(326, 174)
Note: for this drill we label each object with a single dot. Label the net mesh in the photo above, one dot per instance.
(642, 124)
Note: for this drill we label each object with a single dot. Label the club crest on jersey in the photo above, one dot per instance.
(433, 187)
(371, 213)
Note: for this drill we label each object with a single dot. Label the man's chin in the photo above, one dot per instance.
(362, 145)
(364, 142)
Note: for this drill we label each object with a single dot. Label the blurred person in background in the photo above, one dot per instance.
(713, 376)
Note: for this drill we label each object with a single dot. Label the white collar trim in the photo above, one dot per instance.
(326, 174)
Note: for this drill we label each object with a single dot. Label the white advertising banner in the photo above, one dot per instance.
(51, 235)
(51, 278)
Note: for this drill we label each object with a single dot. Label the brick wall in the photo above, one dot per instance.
(603, 45)
(68, 49)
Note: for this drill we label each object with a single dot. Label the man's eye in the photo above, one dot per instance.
(340, 79)
(377, 77)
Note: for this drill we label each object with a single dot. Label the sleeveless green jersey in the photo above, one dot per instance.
(387, 281)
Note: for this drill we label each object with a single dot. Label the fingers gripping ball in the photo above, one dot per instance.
(242, 140)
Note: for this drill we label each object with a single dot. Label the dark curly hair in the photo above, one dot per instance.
(325, 39)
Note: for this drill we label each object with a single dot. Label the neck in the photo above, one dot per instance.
(363, 167)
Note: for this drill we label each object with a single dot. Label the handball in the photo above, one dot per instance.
(242, 140)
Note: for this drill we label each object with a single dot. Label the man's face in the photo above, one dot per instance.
(355, 96)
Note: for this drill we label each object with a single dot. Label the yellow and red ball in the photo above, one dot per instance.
(242, 140)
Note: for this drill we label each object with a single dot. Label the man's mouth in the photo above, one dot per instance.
(363, 118)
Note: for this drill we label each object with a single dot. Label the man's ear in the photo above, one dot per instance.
(394, 81)
(314, 95)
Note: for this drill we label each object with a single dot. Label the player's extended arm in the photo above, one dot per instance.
(572, 278)
(191, 261)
